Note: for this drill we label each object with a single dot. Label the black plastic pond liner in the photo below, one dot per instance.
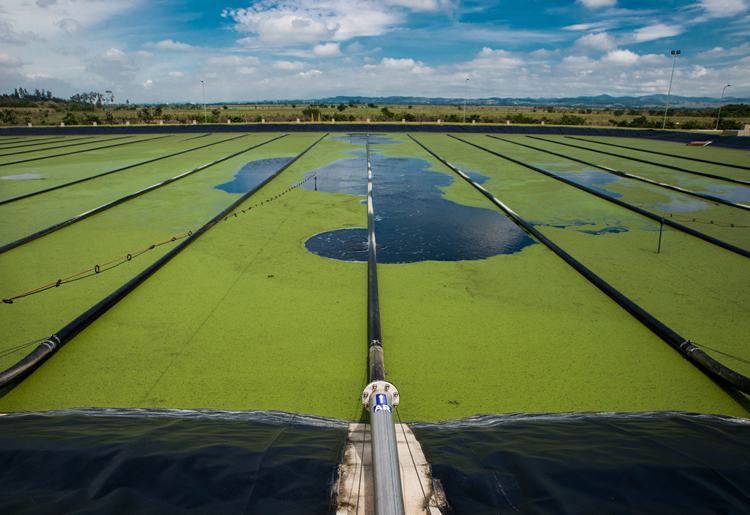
(129, 196)
(645, 463)
(23, 368)
(704, 362)
(696, 159)
(681, 137)
(655, 163)
(29, 159)
(704, 196)
(120, 169)
(28, 151)
(46, 141)
(168, 462)
(648, 214)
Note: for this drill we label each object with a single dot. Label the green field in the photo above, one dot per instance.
(247, 318)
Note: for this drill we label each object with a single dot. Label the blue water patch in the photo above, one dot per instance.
(414, 222)
(594, 179)
(252, 174)
(348, 175)
(607, 230)
(679, 204)
(731, 193)
(342, 244)
(476, 176)
(610, 228)
(373, 139)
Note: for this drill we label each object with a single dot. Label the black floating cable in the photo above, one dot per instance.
(687, 348)
(48, 347)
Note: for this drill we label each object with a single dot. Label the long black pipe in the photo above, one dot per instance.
(621, 203)
(77, 144)
(696, 159)
(120, 169)
(30, 159)
(43, 141)
(374, 338)
(687, 348)
(125, 198)
(661, 165)
(47, 348)
(704, 196)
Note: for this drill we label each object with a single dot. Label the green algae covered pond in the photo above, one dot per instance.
(267, 309)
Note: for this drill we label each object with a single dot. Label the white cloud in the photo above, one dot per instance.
(8, 61)
(597, 41)
(698, 71)
(69, 25)
(743, 49)
(327, 50)
(9, 35)
(657, 31)
(543, 53)
(723, 8)
(47, 19)
(232, 60)
(424, 5)
(310, 73)
(596, 4)
(621, 57)
(176, 74)
(114, 55)
(170, 44)
(488, 57)
(294, 22)
(291, 66)
(628, 58)
(398, 66)
(148, 84)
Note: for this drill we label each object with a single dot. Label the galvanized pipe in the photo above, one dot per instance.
(380, 397)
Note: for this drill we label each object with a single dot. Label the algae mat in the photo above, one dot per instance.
(245, 318)
(248, 318)
(521, 332)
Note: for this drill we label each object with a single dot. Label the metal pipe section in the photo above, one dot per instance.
(380, 396)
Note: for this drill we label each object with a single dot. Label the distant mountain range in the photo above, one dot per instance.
(583, 101)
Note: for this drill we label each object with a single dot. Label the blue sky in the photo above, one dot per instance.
(159, 50)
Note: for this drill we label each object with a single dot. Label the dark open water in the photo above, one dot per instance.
(173, 462)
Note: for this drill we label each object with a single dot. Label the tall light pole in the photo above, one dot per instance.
(466, 92)
(205, 114)
(675, 53)
(109, 98)
(718, 115)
